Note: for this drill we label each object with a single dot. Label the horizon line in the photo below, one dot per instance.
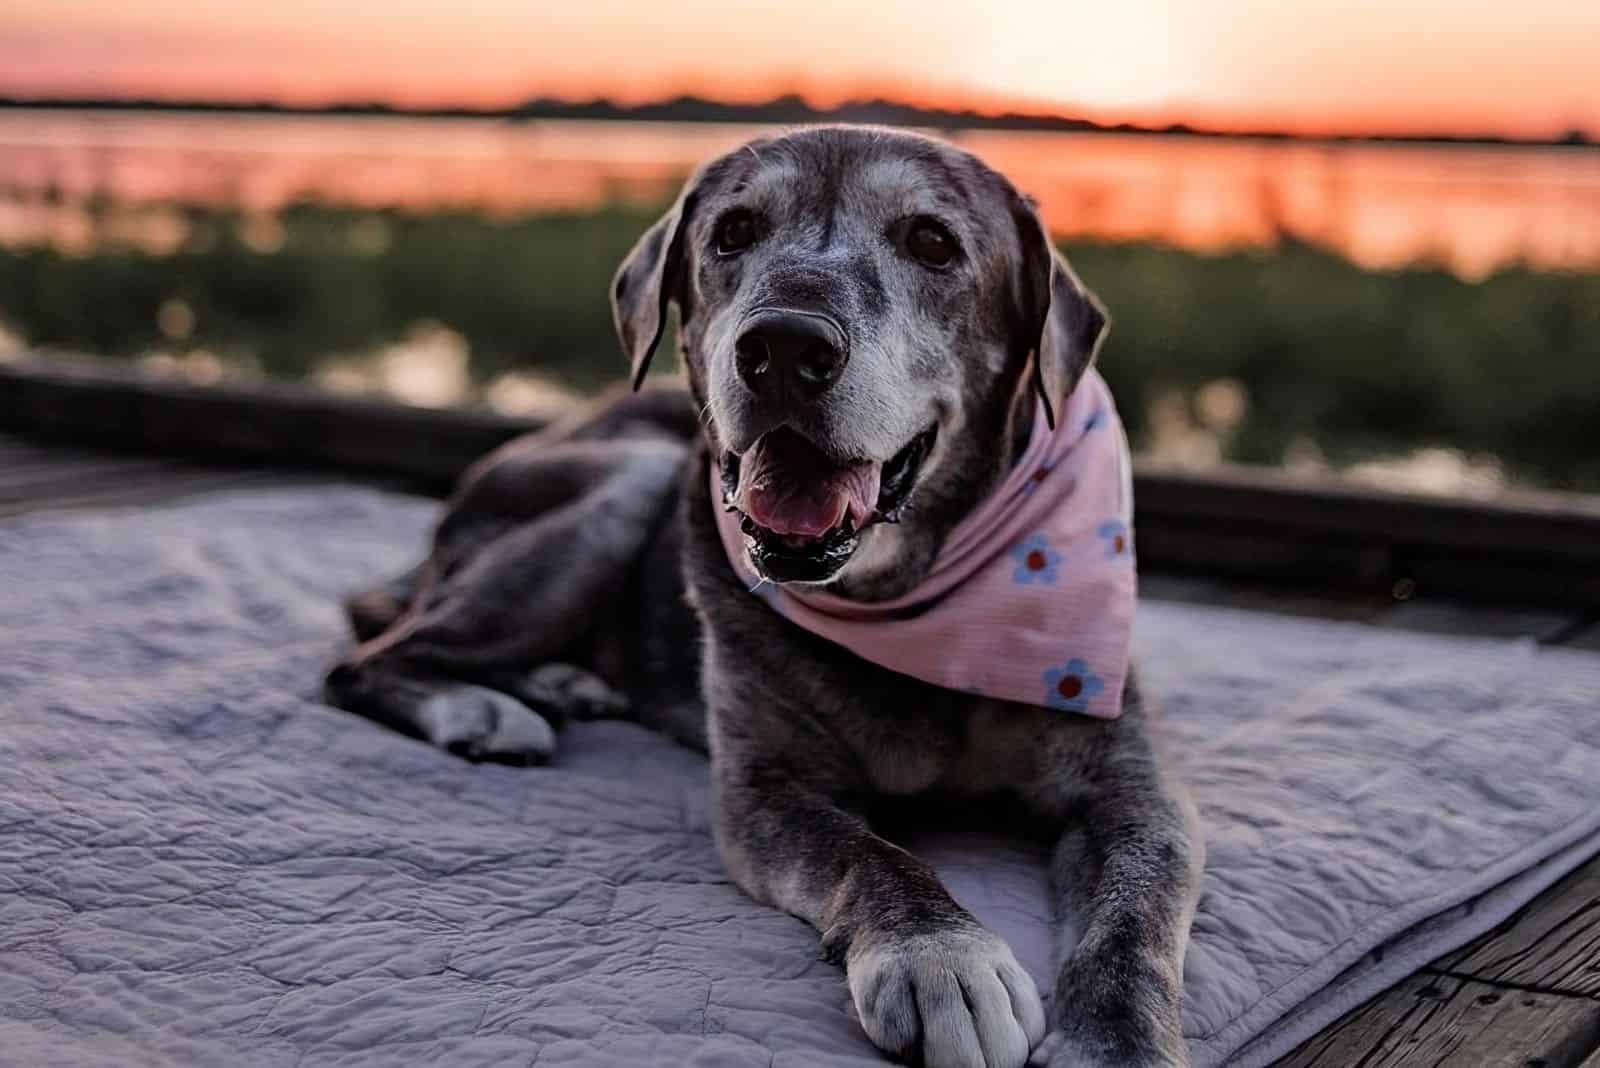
(782, 109)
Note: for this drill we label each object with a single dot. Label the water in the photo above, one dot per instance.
(1473, 208)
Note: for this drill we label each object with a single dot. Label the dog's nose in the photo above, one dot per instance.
(790, 354)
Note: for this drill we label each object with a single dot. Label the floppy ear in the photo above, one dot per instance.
(651, 278)
(1060, 320)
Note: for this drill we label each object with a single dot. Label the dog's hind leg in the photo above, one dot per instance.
(474, 722)
(371, 612)
(526, 596)
(480, 647)
(522, 479)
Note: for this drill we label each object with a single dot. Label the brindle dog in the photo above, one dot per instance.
(858, 308)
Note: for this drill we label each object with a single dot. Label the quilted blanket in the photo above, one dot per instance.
(201, 864)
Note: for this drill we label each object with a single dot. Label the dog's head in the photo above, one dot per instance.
(865, 318)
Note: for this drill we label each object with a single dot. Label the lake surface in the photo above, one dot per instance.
(1474, 208)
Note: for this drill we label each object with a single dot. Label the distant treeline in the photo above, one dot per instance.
(784, 110)
(1351, 362)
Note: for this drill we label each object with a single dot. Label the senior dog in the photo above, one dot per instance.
(861, 562)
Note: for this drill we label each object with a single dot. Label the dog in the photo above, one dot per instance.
(876, 334)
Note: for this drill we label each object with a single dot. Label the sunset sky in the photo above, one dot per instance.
(1526, 68)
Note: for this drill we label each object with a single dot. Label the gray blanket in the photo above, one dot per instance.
(201, 864)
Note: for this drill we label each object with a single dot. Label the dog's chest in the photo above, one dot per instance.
(907, 769)
(960, 744)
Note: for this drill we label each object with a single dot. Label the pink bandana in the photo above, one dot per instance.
(1030, 600)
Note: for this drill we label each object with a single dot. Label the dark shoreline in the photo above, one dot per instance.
(782, 111)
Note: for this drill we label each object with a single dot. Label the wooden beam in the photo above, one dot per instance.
(1558, 524)
(1441, 1022)
(268, 423)
(1553, 944)
(1531, 548)
(1256, 596)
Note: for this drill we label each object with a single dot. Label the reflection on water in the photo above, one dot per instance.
(1474, 208)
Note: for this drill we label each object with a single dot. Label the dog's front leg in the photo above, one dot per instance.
(1128, 870)
(924, 975)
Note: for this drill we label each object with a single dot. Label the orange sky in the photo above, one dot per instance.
(1529, 67)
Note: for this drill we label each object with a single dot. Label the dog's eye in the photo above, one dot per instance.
(930, 242)
(736, 231)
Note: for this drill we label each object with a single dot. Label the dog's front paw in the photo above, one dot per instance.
(483, 724)
(1115, 1012)
(957, 996)
(1058, 1050)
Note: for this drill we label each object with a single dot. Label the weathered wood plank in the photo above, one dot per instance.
(1443, 1022)
(1261, 597)
(283, 425)
(1261, 550)
(1518, 576)
(1553, 944)
(1249, 496)
(1437, 616)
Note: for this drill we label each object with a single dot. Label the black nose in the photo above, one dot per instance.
(789, 354)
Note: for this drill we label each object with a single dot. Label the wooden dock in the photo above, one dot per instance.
(1527, 995)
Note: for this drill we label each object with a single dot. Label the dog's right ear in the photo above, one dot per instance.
(651, 278)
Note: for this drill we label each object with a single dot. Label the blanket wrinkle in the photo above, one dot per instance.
(204, 865)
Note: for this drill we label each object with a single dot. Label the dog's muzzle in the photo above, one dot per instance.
(802, 513)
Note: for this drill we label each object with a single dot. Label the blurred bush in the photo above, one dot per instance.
(1362, 363)
(1318, 351)
(290, 290)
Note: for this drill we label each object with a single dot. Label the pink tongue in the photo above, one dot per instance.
(789, 487)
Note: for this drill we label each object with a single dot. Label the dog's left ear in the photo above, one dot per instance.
(1059, 318)
(652, 278)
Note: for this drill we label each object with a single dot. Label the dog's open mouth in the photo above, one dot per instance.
(803, 512)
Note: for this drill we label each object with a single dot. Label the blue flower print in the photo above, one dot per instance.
(1118, 539)
(1036, 561)
(1096, 420)
(1070, 686)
